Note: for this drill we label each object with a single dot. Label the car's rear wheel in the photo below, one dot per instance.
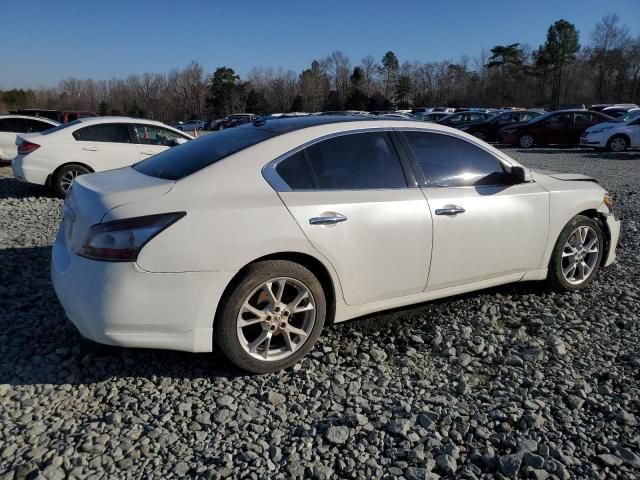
(64, 177)
(272, 316)
(617, 143)
(577, 254)
(526, 141)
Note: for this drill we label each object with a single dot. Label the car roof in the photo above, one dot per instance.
(29, 117)
(95, 120)
(281, 125)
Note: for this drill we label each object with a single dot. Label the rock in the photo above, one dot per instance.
(609, 459)
(337, 434)
(399, 426)
(181, 469)
(446, 463)
(378, 355)
(628, 457)
(510, 464)
(464, 359)
(276, 398)
(53, 473)
(574, 402)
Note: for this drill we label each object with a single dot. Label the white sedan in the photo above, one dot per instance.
(614, 136)
(56, 157)
(13, 125)
(257, 237)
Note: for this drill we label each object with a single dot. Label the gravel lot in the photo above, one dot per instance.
(512, 381)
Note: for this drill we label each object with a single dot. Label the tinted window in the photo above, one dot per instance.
(357, 161)
(15, 125)
(183, 160)
(295, 172)
(559, 118)
(450, 162)
(104, 132)
(582, 118)
(525, 117)
(37, 126)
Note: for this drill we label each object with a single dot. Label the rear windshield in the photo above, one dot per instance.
(185, 159)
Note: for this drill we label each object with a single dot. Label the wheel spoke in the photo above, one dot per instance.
(281, 285)
(571, 251)
(593, 246)
(267, 345)
(258, 341)
(296, 331)
(570, 270)
(296, 301)
(287, 340)
(253, 310)
(586, 269)
(269, 288)
(242, 322)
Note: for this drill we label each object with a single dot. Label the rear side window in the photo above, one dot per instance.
(295, 172)
(185, 159)
(104, 132)
(14, 125)
(356, 161)
(37, 125)
(447, 161)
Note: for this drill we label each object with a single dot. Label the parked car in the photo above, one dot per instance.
(460, 118)
(57, 115)
(190, 125)
(487, 130)
(617, 111)
(421, 110)
(614, 136)
(554, 128)
(257, 237)
(432, 116)
(233, 121)
(55, 157)
(598, 107)
(13, 125)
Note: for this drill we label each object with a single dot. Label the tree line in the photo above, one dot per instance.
(560, 71)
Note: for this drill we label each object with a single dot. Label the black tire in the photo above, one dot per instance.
(225, 325)
(618, 143)
(555, 276)
(526, 140)
(60, 178)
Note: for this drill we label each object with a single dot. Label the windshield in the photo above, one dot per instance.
(185, 159)
(627, 117)
(60, 127)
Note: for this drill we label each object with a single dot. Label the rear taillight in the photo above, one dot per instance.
(27, 147)
(122, 240)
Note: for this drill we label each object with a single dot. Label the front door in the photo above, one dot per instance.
(484, 225)
(350, 198)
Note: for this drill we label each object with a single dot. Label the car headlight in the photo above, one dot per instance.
(608, 201)
(598, 130)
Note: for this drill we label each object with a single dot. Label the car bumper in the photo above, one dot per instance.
(614, 234)
(117, 303)
(594, 141)
(31, 172)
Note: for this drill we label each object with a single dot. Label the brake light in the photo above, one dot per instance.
(27, 147)
(122, 240)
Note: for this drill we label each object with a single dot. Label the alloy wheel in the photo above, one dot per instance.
(526, 141)
(618, 144)
(276, 319)
(67, 179)
(580, 255)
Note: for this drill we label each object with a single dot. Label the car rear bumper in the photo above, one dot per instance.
(614, 234)
(117, 303)
(30, 172)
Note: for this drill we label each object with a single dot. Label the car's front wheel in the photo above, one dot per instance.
(272, 316)
(577, 254)
(617, 143)
(64, 177)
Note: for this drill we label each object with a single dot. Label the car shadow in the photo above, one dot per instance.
(12, 188)
(41, 346)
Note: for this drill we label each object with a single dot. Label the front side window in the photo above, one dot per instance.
(525, 117)
(104, 132)
(152, 135)
(448, 161)
(356, 161)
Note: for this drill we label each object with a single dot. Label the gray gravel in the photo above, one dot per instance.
(512, 381)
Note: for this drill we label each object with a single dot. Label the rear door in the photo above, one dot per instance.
(351, 198)
(556, 129)
(152, 139)
(106, 146)
(484, 225)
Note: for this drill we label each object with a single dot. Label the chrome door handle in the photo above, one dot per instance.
(90, 149)
(450, 210)
(328, 219)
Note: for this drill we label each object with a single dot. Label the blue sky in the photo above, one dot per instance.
(46, 41)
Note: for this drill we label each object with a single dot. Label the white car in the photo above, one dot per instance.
(614, 136)
(257, 237)
(56, 157)
(13, 125)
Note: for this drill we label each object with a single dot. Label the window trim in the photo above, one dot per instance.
(420, 174)
(272, 177)
(132, 138)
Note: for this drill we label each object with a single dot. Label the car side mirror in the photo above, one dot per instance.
(519, 174)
